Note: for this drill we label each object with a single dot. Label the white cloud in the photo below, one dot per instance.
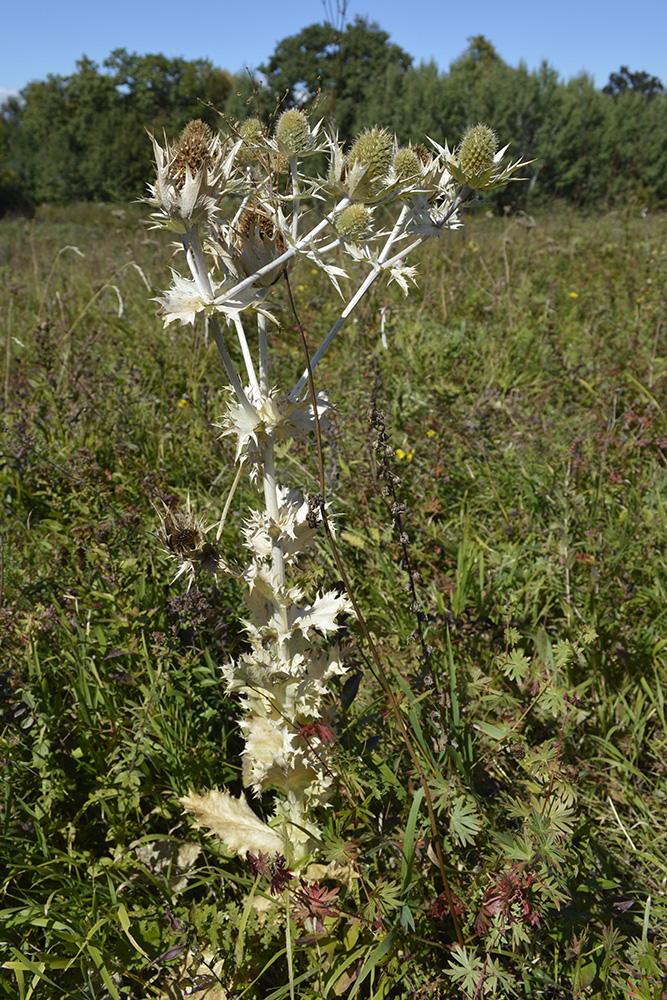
(4, 94)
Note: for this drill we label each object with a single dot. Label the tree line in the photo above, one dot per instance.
(82, 137)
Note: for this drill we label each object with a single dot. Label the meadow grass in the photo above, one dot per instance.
(512, 580)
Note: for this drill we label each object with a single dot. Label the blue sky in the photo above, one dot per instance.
(39, 37)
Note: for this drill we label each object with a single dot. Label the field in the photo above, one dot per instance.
(512, 650)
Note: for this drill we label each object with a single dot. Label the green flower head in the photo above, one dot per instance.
(354, 221)
(292, 133)
(477, 150)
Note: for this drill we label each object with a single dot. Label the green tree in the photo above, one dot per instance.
(79, 137)
(579, 173)
(345, 67)
(481, 50)
(411, 103)
(639, 83)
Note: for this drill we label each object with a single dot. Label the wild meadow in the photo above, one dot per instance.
(494, 751)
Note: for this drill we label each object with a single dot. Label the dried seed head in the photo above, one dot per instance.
(292, 133)
(354, 221)
(251, 222)
(423, 153)
(476, 152)
(192, 150)
(184, 538)
(251, 244)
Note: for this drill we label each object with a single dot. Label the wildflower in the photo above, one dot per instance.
(184, 538)
(365, 174)
(476, 159)
(292, 133)
(190, 178)
(249, 245)
(354, 222)
(574, 295)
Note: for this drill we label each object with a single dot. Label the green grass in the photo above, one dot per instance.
(523, 392)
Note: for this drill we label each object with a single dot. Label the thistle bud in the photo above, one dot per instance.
(353, 222)
(475, 155)
(373, 149)
(252, 133)
(407, 164)
(292, 133)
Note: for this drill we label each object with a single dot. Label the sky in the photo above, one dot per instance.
(39, 37)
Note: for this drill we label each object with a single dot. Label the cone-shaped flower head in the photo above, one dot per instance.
(476, 159)
(293, 136)
(407, 165)
(374, 152)
(253, 140)
(354, 222)
(190, 178)
(365, 174)
(475, 155)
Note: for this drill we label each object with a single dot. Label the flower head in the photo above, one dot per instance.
(366, 173)
(292, 134)
(249, 245)
(253, 140)
(354, 222)
(407, 164)
(476, 159)
(184, 538)
(190, 178)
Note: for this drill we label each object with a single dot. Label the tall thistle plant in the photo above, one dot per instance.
(244, 212)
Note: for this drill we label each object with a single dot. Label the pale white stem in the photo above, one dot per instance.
(234, 380)
(245, 350)
(271, 503)
(241, 207)
(196, 262)
(262, 336)
(359, 294)
(230, 497)
(294, 170)
(396, 232)
(404, 252)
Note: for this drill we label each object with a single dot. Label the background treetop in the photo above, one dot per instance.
(341, 65)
